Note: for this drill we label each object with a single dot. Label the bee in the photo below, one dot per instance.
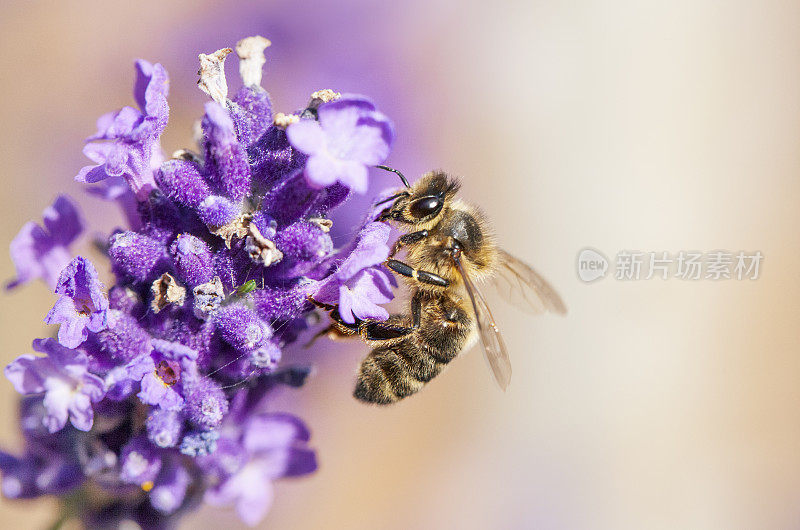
(449, 248)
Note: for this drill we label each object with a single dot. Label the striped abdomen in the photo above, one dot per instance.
(393, 371)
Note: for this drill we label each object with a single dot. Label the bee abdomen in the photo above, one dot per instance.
(390, 373)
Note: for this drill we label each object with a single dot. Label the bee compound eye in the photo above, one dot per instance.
(425, 206)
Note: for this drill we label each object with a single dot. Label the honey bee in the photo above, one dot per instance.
(449, 247)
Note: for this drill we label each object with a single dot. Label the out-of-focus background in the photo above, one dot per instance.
(654, 126)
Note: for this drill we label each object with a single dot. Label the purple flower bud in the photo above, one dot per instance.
(124, 339)
(232, 265)
(181, 181)
(226, 158)
(266, 357)
(241, 328)
(135, 256)
(193, 259)
(161, 218)
(251, 111)
(124, 299)
(38, 473)
(283, 303)
(164, 427)
(304, 245)
(274, 158)
(216, 211)
(332, 197)
(206, 404)
(265, 223)
(290, 200)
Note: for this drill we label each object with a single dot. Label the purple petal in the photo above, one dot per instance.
(272, 431)
(38, 253)
(306, 136)
(249, 489)
(93, 387)
(81, 413)
(25, 374)
(366, 140)
(63, 311)
(153, 390)
(359, 101)
(171, 487)
(371, 284)
(57, 401)
(344, 112)
(116, 124)
(151, 90)
(63, 221)
(140, 461)
(72, 362)
(91, 174)
(25, 249)
(72, 332)
(371, 249)
(174, 350)
(354, 176)
(254, 504)
(321, 170)
(354, 305)
(140, 366)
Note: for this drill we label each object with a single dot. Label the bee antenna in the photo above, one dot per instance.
(402, 177)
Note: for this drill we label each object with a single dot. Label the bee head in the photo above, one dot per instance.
(423, 202)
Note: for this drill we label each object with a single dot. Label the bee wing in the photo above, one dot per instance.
(494, 348)
(524, 288)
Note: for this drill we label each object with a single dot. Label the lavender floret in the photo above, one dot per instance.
(82, 306)
(41, 253)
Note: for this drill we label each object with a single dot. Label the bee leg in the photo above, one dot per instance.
(395, 328)
(407, 270)
(338, 328)
(384, 332)
(321, 305)
(332, 331)
(408, 239)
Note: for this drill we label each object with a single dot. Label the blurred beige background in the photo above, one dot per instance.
(619, 125)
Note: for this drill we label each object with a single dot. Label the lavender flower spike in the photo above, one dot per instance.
(171, 373)
(69, 389)
(82, 306)
(42, 252)
(349, 136)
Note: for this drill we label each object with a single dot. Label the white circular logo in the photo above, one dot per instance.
(592, 265)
